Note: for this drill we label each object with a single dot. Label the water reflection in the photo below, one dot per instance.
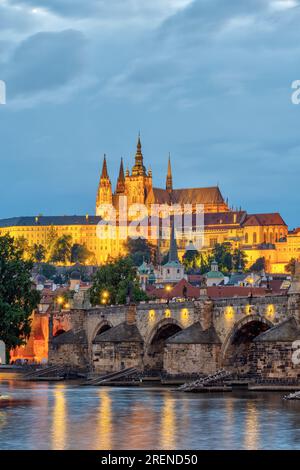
(168, 438)
(59, 418)
(104, 425)
(67, 416)
(251, 426)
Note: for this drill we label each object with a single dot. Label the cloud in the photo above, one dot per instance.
(106, 10)
(44, 62)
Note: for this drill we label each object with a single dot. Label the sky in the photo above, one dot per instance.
(209, 81)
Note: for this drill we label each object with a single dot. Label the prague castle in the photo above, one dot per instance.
(259, 235)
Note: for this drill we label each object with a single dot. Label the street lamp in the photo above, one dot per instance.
(168, 289)
(104, 297)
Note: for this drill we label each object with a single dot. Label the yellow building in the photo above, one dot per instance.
(259, 235)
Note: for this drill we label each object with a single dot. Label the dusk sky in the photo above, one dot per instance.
(207, 80)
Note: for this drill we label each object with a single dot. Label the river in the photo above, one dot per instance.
(68, 416)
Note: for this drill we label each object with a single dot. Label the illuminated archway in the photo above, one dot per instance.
(236, 348)
(155, 345)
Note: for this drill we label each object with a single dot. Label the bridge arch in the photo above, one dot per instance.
(155, 343)
(104, 325)
(58, 332)
(235, 349)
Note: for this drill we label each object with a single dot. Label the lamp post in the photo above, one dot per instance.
(104, 297)
(168, 289)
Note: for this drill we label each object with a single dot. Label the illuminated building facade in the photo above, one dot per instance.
(259, 235)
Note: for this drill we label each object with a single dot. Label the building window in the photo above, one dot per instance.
(213, 242)
(246, 238)
(254, 238)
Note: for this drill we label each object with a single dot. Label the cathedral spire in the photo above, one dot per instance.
(139, 169)
(104, 173)
(121, 179)
(173, 252)
(169, 180)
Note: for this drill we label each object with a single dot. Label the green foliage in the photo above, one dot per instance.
(291, 266)
(61, 250)
(80, 253)
(203, 263)
(38, 253)
(222, 253)
(139, 249)
(228, 259)
(48, 270)
(190, 259)
(239, 260)
(22, 245)
(52, 237)
(117, 278)
(258, 266)
(18, 299)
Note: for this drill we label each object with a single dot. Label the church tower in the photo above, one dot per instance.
(120, 188)
(138, 168)
(104, 193)
(139, 183)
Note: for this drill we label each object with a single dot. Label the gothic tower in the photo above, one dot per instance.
(139, 183)
(120, 188)
(104, 193)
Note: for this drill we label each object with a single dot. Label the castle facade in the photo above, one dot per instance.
(259, 235)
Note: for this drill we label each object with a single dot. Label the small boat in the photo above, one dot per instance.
(292, 396)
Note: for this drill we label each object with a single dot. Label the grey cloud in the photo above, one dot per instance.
(45, 61)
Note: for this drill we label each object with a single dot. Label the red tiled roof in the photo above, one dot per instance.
(217, 292)
(177, 291)
(264, 219)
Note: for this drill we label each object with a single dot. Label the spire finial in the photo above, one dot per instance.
(169, 179)
(121, 179)
(173, 253)
(139, 169)
(104, 173)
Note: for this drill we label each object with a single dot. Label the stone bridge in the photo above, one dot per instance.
(179, 338)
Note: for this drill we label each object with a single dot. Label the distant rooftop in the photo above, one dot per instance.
(50, 220)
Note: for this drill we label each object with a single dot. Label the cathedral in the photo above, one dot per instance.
(263, 235)
(139, 189)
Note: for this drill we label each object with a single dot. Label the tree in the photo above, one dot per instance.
(38, 253)
(61, 250)
(222, 255)
(114, 281)
(139, 250)
(21, 244)
(239, 259)
(291, 266)
(48, 270)
(51, 238)
(190, 259)
(203, 263)
(18, 298)
(80, 253)
(259, 265)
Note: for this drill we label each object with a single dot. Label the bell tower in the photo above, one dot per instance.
(104, 193)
